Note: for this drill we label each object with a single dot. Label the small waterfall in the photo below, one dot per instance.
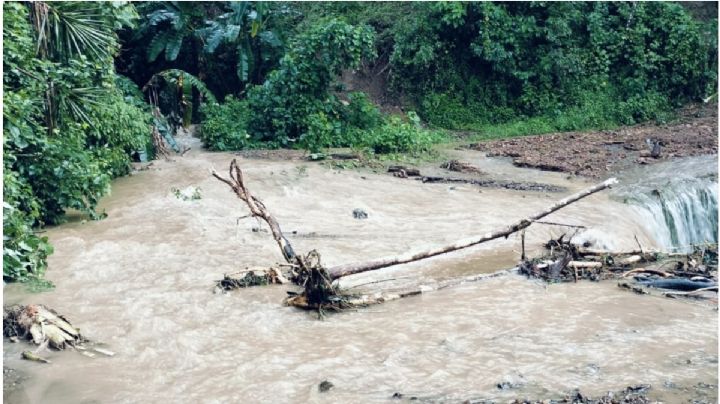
(682, 214)
(676, 202)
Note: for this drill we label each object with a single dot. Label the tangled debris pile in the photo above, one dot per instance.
(686, 274)
(251, 277)
(40, 325)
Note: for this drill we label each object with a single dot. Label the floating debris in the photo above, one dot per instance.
(251, 277)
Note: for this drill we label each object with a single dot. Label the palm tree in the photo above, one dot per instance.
(74, 31)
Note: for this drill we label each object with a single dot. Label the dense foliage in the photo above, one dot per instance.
(68, 126)
(475, 63)
(296, 97)
(225, 126)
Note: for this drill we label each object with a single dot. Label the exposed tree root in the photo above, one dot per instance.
(160, 149)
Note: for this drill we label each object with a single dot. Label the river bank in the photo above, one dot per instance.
(598, 154)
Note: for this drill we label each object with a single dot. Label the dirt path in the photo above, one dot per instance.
(597, 154)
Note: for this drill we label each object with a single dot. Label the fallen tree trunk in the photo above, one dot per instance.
(349, 301)
(351, 269)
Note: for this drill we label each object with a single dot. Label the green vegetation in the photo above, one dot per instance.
(575, 65)
(295, 101)
(256, 74)
(225, 125)
(68, 126)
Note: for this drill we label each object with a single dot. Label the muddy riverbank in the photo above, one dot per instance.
(141, 281)
(602, 153)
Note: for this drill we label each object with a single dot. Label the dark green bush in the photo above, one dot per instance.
(479, 64)
(361, 112)
(399, 136)
(300, 88)
(224, 126)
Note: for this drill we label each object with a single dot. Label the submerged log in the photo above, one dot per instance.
(678, 284)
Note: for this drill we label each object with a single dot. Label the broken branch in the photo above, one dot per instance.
(257, 208)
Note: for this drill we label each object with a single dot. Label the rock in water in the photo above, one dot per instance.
(325, 386)
(360, 214)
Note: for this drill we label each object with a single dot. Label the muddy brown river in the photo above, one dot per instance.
(141, 281)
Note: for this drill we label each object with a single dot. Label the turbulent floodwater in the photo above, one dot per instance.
(141, 281)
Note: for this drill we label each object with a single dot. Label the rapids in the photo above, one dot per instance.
(141, 281)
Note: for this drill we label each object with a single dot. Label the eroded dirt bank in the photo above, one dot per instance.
(142, 279)
(599, 154)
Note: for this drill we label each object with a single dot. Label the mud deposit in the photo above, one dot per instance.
(597, 154)
(141, 281)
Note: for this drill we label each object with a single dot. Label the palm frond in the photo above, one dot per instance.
(172, 76)
(245, 61)
(70, 29)
(174, 44)
(157, 46)
(158, 16)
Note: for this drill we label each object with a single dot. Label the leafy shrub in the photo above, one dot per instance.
(399, 136)
(321, 132)
(120, 128)
(300, 87)
(224, 126)
(24, 253)
(361, 112)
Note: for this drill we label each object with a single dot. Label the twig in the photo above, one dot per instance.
(560, 224)
(639, 245)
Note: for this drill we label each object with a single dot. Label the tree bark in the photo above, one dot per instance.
(351, 269)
